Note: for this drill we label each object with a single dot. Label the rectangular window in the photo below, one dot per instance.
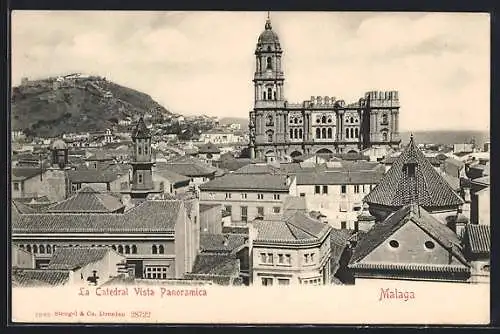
(317, 189)
(356, 189)
(302, 195)
(288, 259)
(228, 208)
(276, 196)
(263, 257)
(306, 258)
(280, 258)
(156, 272)
(260, 196)
(139, 178)
(312, 257)
(267, 281)
(228, 195)
(283, 281)
(16, 185)
(244, 196)
(244, 213)
(269, 258)
(356, 226)
(364, 189)
(343, 189)
(260, 211)
(343, 225)
(325, 189)
(276, 209)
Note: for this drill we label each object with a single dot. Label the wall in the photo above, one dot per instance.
(211, 220)
(186, 234)
(331, 204)
(106, 269)
(21, 258)
(483, 206)
(411, 248)
(52, 184)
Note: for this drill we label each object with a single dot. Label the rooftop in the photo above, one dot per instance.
(88, 200)
(241, 182)
(72, 258)
(478, 238)
(221, 243)
(39, 277)
(412, 179)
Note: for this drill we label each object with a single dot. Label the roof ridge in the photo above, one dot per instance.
(289, 221)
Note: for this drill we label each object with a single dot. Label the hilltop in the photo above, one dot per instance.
(53, 106)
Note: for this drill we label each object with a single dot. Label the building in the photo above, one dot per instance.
(21, 258)
(196, 170)
(88, 200)
(290, 250)
(477, 247)
(218, 136)
(110, 180)
(247, 197)
(209, 153)
(159, 238)
(319, 125)
(338, 192)
(463, 148)
(480, 201)
(412, 179)
(410, 244)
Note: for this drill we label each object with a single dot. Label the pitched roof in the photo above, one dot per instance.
(221, 243)
(72, 258)
(188, 166)
(88, 200)
(427, 188)
(381, 231)
(208, 148)
(20, 173)
(141, 130)
(39, 277)
(151, 216)
(243, 182)
(172, 176)
(92, 176)
(295, 229)
(22, 207)
(216, 264)
(478, 238)
(485, 180)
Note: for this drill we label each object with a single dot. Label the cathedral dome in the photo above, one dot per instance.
(268, 36)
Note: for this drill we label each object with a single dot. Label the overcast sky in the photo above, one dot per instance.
(203, 62)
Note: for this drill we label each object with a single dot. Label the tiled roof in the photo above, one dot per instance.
(147, 217)
(233, 164)
(91, 176)
(390, 160)
(39, 277)
(188, 166)
(241, 182)
(88, 200)
(224, 280)
(454, 182)
(435, 268)
(20, 173)
(381, 231)
(141, 130)
(478, 238)
(22, 207)
(427, 188)
(258, 169)
(485, 180)
(72, 258)
(216, 264)
(235, 230)
(205, 207)
(340, 236)
(221, 243)
(208, 148)
(341, 177)
(173, 177)
(455, 162)
(296, 229)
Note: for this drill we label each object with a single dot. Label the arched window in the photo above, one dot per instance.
(127, 249)
(352, 133)
(295, 133)
(318, 133)
(323, 133)
(134, 249)
(269, 63)
(120, 249)
(114, 247)
(21, 246)
(295, 120)
(49, 249)
(139, 178)
(270, 136)
(352, 120)
(384, 136)
(384, 119)
(54, 248)
(356, 132)
(329, 132)
(268, 48)
(35, 249)
(264, 95)
(161, 250)
(323, 119)
(291, 133)
(28, 248)
(146, 149)
(42, 249)
(139, 150)
(347, 133)
(329, 120)
(274, 95)
(269, 93)
(300, 133)
(154, 250)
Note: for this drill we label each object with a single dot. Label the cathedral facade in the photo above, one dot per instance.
(319, 125)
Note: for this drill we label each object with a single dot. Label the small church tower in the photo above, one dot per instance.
(142, 175)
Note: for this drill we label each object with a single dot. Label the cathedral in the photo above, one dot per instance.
(319, 125)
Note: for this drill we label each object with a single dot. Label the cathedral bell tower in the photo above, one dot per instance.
(267, 118)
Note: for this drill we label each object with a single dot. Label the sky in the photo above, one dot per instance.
(203, 62)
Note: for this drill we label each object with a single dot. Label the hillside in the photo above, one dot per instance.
(230, 120)
(50, 107)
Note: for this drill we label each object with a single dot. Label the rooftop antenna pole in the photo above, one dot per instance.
(268, 15)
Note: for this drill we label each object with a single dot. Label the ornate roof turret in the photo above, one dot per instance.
(141, 130)
(413, 180)
(268, 36)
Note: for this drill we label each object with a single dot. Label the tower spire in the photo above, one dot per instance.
(268, 21)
